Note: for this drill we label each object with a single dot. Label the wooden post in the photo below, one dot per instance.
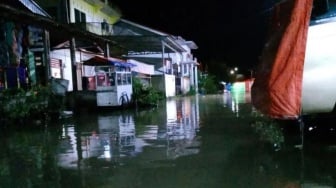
(107, 50)
(47, 55)
(73, 63)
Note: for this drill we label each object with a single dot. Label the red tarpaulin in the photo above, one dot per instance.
(277, 88)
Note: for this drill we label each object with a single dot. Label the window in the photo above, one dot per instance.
(119, 81)
(185, 69)
(123, 77)
(80, 17)
(101, 79)
(112, 79)
(129, 79)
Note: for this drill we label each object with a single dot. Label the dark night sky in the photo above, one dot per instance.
(230, 32)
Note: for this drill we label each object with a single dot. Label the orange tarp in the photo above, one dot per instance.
(277, 88)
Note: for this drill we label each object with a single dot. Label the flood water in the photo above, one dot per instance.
(200, 141)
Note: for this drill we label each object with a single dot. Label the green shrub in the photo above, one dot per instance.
(269, 131)
(33, 103)
(207, 84)
(192, 91)
(145, 95)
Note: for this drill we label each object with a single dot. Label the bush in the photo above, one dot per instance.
(269, 131)
(33, 103)
(207, 85)
(192, 91)
(145, 95)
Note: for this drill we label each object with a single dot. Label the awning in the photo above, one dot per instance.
(141, 67)
(110, 61)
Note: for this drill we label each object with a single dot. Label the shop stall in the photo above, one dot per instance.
(109, 79)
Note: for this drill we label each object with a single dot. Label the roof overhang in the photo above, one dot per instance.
(148, 44)
(140, 39)
(60, 32)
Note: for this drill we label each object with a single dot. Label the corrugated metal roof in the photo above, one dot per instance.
(138, 38)
(34, 7)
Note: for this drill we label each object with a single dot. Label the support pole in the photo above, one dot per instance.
(302, 127)
(73, 63)
(107, 50)
(47, 55)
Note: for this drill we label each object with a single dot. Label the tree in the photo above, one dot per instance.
(207, 84)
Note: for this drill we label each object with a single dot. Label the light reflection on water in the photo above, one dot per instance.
(234, 99)
(203, 141)
(114, 136)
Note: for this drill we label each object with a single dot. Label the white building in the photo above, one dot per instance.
(175, 67)
(68, 50)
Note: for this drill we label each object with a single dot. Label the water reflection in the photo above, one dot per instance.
(114, 136)
(181, 128)
(109, 138)
(27, 160)
(185, 142)
(233, 100)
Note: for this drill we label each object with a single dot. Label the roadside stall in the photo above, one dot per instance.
(109, 80)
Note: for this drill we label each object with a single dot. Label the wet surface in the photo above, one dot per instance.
(198, 141)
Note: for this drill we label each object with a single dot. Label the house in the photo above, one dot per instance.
(67, 53)
(188, 73)
(175, 67)
(77, 30)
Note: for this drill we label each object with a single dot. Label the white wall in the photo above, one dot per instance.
(186, 85)
(319, 74)
(64, 55)
(93, 13)
(165, 83)
(170, 85)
